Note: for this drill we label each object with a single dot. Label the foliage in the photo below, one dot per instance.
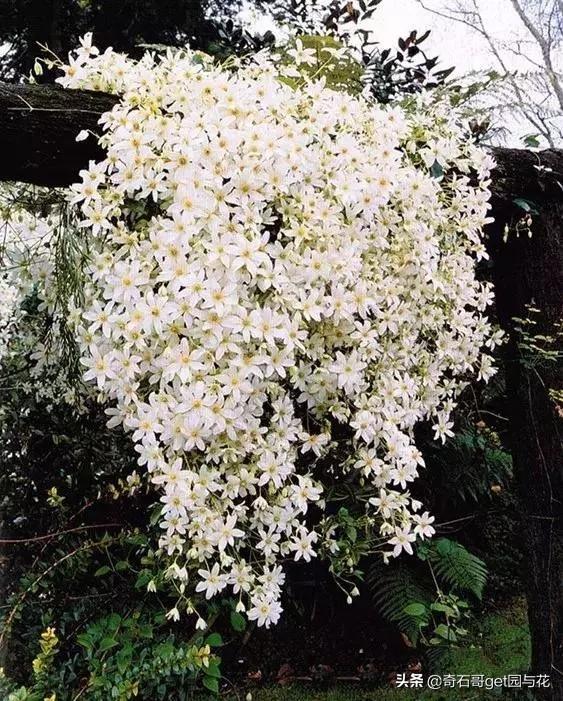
(456, 567)
(341, 73)
(125, 655)
(392, 74)
(64, 480)
(387, 74)
(423, 596)
(469, 469)
(538, 349)
(93, 559)
(396, 587)
(123, 658)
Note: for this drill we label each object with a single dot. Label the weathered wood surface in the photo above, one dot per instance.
(38, 128)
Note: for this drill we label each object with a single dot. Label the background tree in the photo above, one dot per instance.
(24, 24)
(532, 94)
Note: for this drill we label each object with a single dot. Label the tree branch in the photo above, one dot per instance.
(545, 50)
(468, 13)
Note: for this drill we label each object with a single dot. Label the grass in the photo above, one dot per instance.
(500, 645)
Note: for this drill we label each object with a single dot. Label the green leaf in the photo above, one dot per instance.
(143, 579)
(415, 609)
(422, 551)
(531, 140)
(85, 640)
(107, 644)
(458, 567)
(394, 587)
(523, 204)
(166, 648)
(238, 621)
(526, 205)
(155, 515)
(446, 633)
(214, 640)
(436, 170)
(123, 659)
(137, 539)
(146, 631)
(443, 608)
(122, 565)
(212, 684)
(114, 621)
(213, 670)
(101, 571)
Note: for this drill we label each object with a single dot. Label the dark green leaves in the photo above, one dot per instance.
(238, 621)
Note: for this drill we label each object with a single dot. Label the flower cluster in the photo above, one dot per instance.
(24, 260)
(9, 303)
(36, 253)
(283, 274)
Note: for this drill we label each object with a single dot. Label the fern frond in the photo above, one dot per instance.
(395, 586)
(457, 567)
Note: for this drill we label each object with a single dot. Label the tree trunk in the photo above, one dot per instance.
(529, 271)
(38, 126)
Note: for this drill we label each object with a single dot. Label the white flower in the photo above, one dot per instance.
(226, 532)
(268, 542)
(443, 429)
(314, 442)
(402, 541)
(264, 611)
(173, 614)
(423, 525)
(211, 581)
(303, 545)
(302, 55)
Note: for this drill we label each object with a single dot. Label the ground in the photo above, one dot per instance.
(499, 645)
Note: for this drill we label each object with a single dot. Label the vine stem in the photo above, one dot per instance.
(23, 595)
(36, 539)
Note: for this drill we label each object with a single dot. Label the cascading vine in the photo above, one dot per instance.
(283, 287)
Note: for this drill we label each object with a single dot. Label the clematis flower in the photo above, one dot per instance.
(275, 275)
